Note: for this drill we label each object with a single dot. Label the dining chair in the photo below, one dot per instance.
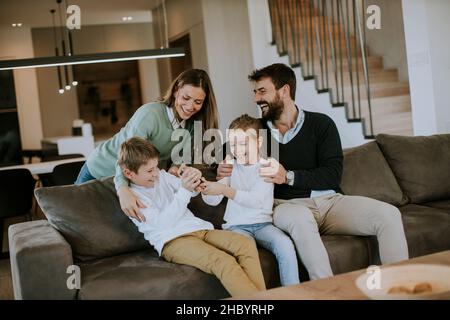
(16, 197)
(64, 174)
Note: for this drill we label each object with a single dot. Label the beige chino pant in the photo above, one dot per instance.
(304, 219)
(231, 257)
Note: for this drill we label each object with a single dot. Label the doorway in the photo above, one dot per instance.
(180, 64)
(108, 95)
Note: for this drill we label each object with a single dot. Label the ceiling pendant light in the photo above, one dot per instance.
(73, 59)
(60, 87)
(63, 44)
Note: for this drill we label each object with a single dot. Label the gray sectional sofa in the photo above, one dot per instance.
(87, 228)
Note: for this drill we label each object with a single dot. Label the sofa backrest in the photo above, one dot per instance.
(366, 173)
(90, 219)
(420, 164)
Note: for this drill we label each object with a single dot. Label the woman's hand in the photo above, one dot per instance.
(130, 204)
(174, 170)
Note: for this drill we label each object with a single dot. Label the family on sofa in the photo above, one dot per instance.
(284, 203)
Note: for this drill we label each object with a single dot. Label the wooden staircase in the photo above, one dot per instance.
(319, 36)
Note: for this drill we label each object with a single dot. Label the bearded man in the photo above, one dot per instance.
(307, 175)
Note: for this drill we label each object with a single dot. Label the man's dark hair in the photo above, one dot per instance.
(279, 73)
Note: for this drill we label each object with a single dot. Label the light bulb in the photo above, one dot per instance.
(67, 87)
(74, 83)
(61, 91)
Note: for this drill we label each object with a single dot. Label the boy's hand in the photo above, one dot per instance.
(190, 178)
(212, 188)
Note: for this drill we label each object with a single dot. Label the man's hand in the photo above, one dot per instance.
(224, 170)
(273, 172)
(130, 204)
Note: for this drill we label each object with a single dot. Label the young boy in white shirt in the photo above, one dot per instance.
(175, 232)
(250, 198)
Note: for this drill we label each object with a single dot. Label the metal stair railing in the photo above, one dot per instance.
(318, 36)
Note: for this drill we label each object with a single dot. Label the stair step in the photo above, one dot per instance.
(339, 44)
(329, 53)
(393, 123)
(374, 62)
(379, 90)
(390, 98)
(387, 105)
(375, 76)
(379, 106)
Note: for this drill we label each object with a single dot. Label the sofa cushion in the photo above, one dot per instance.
(90, 218)
(427, 229)
(143, 275)
(347, 253)
(420, 164)
(443, 204)
(366, 173)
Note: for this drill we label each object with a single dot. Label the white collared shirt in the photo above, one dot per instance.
(166, 215)
(291, 133)
(174, 121)
(253, 201)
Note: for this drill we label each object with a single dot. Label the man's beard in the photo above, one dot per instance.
(274, 109)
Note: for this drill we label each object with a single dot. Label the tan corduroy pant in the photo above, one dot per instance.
(304, 219)
(231, 257)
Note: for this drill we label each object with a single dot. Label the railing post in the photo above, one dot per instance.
(310, 29)
(358, 92)
(324, 24)
(349, 53)
(362, 40)
(333, 52)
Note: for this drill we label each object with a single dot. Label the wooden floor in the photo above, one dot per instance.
(6, 289)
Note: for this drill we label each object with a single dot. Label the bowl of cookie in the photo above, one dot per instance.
(413, 281)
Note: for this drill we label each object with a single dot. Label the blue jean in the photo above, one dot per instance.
(84, 175)
(276, 241)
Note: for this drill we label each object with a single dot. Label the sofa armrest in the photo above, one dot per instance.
(39, 260)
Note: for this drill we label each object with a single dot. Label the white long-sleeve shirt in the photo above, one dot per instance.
(167, 216)
(253, 202)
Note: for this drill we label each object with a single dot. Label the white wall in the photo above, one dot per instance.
(439, 26)
(389, 41)
(220, 44)
(228, 45)
(15, 43)
(148, 76)
(428, 50)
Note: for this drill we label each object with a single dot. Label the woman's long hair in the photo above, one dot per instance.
(208, 114)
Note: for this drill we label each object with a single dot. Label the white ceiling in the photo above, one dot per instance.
(36, 13)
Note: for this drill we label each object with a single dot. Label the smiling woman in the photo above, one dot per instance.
(190, 98)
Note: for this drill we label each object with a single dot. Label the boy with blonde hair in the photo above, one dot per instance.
(177, 235)
(250, 198)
